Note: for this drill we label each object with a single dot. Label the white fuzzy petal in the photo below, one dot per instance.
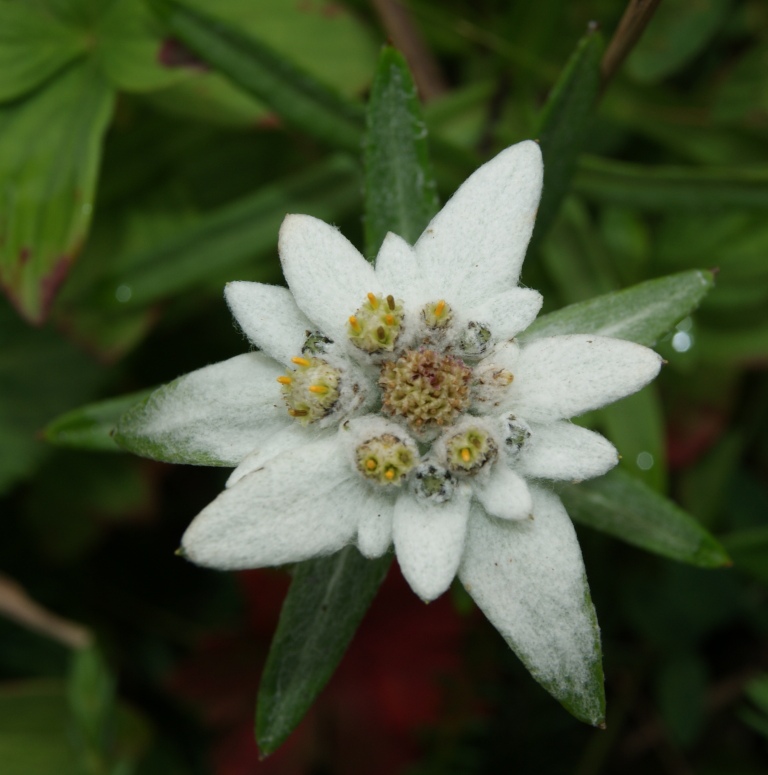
(564, 376)
(561, 450)
(288, 438)
(476, 244)
(508, 313)
(269, 317)
(528, 578)
(301, 504)
(213, 416)
(397, 270)
(328, 277)
(505, 495)
(429, 540)
(374, 533)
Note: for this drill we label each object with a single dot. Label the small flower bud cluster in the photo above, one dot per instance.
(311, 390)
(375, 327)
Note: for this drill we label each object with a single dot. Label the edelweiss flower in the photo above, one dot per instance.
(393, 405)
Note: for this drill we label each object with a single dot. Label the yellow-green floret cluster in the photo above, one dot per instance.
(311, 390)
(375, 327)
(468, 451)
(385, 459)
(426, 388)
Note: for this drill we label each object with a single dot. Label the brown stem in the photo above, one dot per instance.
(397, 21)
(635, 19)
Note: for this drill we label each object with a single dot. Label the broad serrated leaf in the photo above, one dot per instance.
(324, 606)
(563, 125)
(91, 427)
(49, 161)
(643, 313)
(34, 45)
(662, 188)
(626, 508)
(298, 97)
(400, 192)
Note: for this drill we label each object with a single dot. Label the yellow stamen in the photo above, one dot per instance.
(373, 300)
(439, 307)
(298, 412)
(322, 389)
(391, 302)
(389, 320)
(284, 380)
(370, 464)
(466, 455)
(389, 474)
(353, 322)
(381, 333)
(300, 361)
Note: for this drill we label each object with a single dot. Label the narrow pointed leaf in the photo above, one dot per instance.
(564, 123)
(91, 427)
(325, 604)
(662, 188)
(234, 234)
(643, 313)
(296, 96)
(399, 186)
(49, 161)
(626, 508)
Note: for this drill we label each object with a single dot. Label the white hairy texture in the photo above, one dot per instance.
(287, 438)
(564, 376)
(217, 414)
(476, 243)
(505, 494)
(528, 578)
(429, 540)
(561, 450)
(327, 276)
(374, 531)
(508, 313)
(301, 504)
(269, 317)
(398, 272)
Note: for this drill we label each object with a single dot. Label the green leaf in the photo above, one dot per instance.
(677, 33)
(233, 234)
(298, 97)
(743, 93)
(91, 695)
(400, 190)
(663, 188)
(91, 427)
(642, 313)
(624, 507)
(41, 376)
(564, 123)
(49, 161)
(681, 692)
(323, 608)
(34, 45)
(636, 426)
(749, 551)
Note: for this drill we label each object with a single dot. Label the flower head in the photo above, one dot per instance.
(394, 406)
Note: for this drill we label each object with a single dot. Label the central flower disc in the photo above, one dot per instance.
(426, 388)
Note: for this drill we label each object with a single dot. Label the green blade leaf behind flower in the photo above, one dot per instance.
(49, 161)
(329, 596)
(400, 190)
(564, 123)
(642, 313)
(299, 98)
(624, 507)
(91, 427)
(325, 604)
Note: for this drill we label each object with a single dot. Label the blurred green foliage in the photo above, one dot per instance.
(137, 176)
